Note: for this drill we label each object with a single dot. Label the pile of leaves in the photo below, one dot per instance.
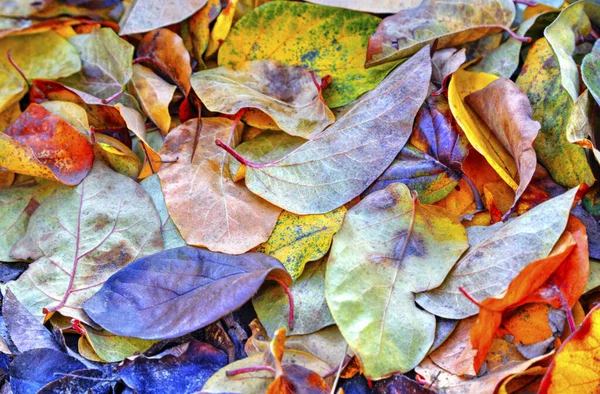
(249, 196)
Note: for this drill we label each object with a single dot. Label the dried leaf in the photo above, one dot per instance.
(373, 272)
(117, 156)
(328, 41)
(451, 23)
(287, 94)
(138, 300)
(221, 28)
(146, 15)
(341, 162)
(199, 29)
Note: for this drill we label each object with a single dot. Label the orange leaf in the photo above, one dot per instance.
(42, 144)
(575, 369)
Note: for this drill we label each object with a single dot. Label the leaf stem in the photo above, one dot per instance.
(565, 307)
(470, 297)
(238, 157)
(290, 300)
(478, 203)
(249, 369)
(12, 62)
(113, 97)
(512, 33)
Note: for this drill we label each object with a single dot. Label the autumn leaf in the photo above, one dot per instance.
(144, 15)
(326, 40)
(373, 263)
(289, 95)
(403, 34)
(201, 273)
(106, 221)
(200, 30)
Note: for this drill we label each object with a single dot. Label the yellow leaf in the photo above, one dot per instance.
(298, 239)
(117, 155)
(478, 133)
(221, 28)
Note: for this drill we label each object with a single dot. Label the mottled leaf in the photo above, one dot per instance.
(288, 94)
(341, 162)
(146, 15)
(389, 247)
(178, 291)
(327, 40)
(79, 237)
(450, 22)
(489, 266)
(208, 208)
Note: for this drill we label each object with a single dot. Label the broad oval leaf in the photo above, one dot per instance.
(327, 40)
(342, 161)
(79, 237)
(208, 208)
(390, 247)
(146, 15)
(450, 22)
(287, 94)
(489, 266)
(178, 291)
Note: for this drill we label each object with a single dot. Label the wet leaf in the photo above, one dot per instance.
(298, 239)
(328, 41)
(574, 369)
(138, 300)
(373, 272)
(403, 34)
(233, 219)
(154, 95)
(106, 60)
(430, 163)
(341, 162)
(164, 52)
(42, 144)
(287, 94)
(551, 105)
(79, 237)
(488, 267)
(505, 109)
(146, 15)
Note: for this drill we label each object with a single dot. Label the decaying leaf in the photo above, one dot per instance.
(138, 301)
(341, 162)
(389, 248)
(288, 94)
(79, 237)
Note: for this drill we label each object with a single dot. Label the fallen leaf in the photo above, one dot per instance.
(487, 269)
(451, 23)
(590, 70)
(79, 237)
(298, 239)
(208, 208)
(79, 381)
(138, 300)
(594, 277)
(221, 28)
(146, 15)
(580, 126)
(373, 272)
(505, 109)
(200, 30)
(117, 156)
(164, 52)
(154, 95)
(341, 162)
(106, 60)
(456, 354)
(574, 368)
(371, 6)
(311, 312)
(326, 40)
(430, 163)
(42, 144)
(287, 94)
(445, 62)
(400, 384)
(12, 89)
(551, 105)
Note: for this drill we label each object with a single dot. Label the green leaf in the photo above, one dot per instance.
(389, 248)
(590, 71)
(170, 234)
(311, 311)
(342, 161)
(551, 105)
(450, 22)
(497, 254)
(79, 237)
(285, 93)
(329, 41)
(106, 63)
(574, 21)
(114, 348)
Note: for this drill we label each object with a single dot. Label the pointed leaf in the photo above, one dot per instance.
(178, 291)
(488, 267)
(341, 162)
(327, 40)
(390, 247)
(79, 237)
